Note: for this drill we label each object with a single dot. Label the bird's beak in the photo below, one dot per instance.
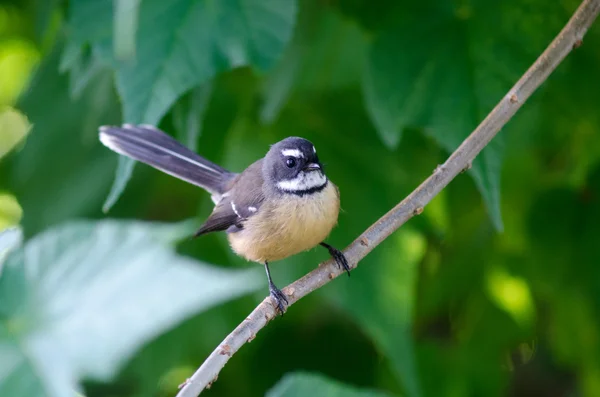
(312, 167)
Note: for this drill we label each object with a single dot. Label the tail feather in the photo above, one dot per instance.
(151, 146)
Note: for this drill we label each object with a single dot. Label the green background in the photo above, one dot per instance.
(493, 291)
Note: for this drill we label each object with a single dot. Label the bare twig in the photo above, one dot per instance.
(569, 38)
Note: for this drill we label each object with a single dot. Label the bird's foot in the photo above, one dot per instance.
(279, 297)
(339, 257)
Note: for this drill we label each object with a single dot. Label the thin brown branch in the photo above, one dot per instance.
(569, 38)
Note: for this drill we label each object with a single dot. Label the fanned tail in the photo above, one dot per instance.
(150, 145)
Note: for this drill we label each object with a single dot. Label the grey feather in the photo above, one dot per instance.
(153, 147)
(242, 200)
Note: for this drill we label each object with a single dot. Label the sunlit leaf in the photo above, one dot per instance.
(18, 57)
(10, 210)
(14, 127)
(79, 299)
(511, 294)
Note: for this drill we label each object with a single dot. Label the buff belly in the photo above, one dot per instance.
(290, 225)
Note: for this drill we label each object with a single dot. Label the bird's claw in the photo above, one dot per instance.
(340, 259)
(279, 297)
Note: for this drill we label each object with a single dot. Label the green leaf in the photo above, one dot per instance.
(194, 41)
(10, 210)
(448, 85)
(425, 91)
(91, 20)
(125, 27)
(14, 127)
(10, 239)
(300, 384)
(122, 176)
(182, 44)
(83, 66)
(18, 58)
(185, 43)
(327, 52)
(47, 22)
(188, 114)
(79, 299)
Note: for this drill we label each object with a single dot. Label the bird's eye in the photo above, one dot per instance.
(290, 162)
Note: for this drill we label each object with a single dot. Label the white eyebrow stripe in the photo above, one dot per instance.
(314, 150)
(292, 152)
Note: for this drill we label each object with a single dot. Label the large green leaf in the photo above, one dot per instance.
(83, 66)
(301, 384)
(79, 299)
(125, 27)
(327, 52)
(181, 44)
(185, 43)
(10, 239)
(122, 176)
(188, 114)
(449, 78)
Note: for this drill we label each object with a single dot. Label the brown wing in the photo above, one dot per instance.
(243, 200)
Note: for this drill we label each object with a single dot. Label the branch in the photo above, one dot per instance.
(569, 38)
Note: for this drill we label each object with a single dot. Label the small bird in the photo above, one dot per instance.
(280, 205)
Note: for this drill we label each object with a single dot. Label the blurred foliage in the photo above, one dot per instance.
(79, 299)
(10, 211)
(303, 384)
(493, 291)
(14, 127)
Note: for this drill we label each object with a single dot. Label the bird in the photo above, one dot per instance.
(279, 206)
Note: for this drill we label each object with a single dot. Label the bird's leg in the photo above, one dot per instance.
(339, 257)
(275, 292)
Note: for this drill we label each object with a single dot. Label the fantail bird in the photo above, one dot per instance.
(280, 205)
